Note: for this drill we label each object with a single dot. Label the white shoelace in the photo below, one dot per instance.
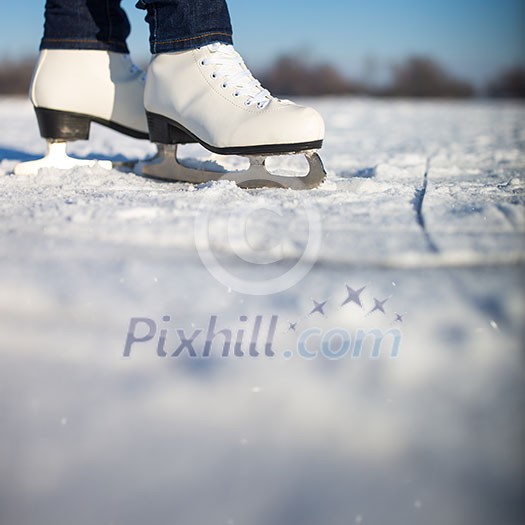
(229, 66)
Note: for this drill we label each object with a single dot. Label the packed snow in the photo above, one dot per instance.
(423, 207)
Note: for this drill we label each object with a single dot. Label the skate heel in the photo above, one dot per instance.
(62, 125)
(163, 131)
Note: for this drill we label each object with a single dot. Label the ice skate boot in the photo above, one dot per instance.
(208, 95)
(71, 89)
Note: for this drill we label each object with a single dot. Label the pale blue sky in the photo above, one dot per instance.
(475, 38)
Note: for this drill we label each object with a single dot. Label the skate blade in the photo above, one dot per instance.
(57, 158)
(167, 167)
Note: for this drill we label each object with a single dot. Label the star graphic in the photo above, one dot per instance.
(399, 318)
(318, 307)
(292, 327)
(353, 296)
(379, 306)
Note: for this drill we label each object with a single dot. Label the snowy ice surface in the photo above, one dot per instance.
(423, 205)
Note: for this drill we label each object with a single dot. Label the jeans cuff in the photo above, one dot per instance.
(193, 42)
(72, 43)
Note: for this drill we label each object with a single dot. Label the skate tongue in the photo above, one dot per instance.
(231, 67)
(219, 46)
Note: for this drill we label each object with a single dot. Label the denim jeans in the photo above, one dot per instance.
(175, 25)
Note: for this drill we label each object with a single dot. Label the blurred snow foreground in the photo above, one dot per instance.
(423, 207)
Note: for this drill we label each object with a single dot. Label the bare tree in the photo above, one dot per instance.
(293, 76)
(424, 77)
(15, 77)
(510, 84)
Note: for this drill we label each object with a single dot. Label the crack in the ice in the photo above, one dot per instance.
(417, 202)
(507, 215)
(486, 304)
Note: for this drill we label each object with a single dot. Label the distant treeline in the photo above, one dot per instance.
(415, 77)
(294, 75)
(15, 76)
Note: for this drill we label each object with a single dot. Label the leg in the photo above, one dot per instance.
(198, 89)
(176, 25)
(85, 24)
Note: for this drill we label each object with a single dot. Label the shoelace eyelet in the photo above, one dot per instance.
(213, 75)
(236, 94)
(260, 105)
(224, 85)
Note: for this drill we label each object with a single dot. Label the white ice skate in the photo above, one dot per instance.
(73, 88)
(208, 95)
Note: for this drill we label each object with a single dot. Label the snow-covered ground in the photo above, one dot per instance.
(423, 206)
